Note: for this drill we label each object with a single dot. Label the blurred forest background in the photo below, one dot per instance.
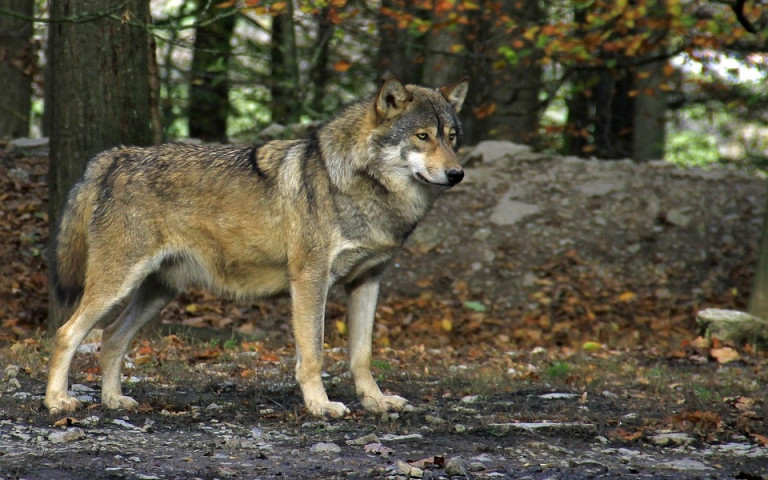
(640, 79)
(681, 80)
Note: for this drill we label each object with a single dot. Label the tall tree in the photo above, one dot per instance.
(505, 98)
(209, 90)
(98, 93)
(401, 45)
(284, 87)
(17, 61)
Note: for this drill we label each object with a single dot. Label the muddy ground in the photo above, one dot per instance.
(541, 322)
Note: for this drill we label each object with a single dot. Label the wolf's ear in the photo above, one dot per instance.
(392, 99)
(456, 92)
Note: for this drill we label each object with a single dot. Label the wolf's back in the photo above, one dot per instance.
(70, 247)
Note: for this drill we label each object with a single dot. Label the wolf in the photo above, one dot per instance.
(289, 217)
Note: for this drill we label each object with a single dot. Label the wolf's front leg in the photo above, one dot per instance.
(308, 294)
(360, 314)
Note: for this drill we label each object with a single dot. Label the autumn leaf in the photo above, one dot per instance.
(761, 439)
(341, 327)
(66, 422)
(591, 346)
(342, 66)
(626, 297)
(725, 354)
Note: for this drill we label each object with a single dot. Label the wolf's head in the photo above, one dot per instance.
(419, 130)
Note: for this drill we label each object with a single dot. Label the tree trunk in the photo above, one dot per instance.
(17, 61)
(286, 97)
(649, 133)
(442, 65)
(758, 297)
(506, 98)
(97, 91)
(209, 91)
(401, 52)
(318, 74)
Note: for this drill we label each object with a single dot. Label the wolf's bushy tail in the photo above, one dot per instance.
(69, 250)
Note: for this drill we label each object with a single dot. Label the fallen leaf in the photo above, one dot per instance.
(761, 439)
(725, 354)
(475, 306)
(66, 422)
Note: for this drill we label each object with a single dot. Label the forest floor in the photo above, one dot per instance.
(541, 321)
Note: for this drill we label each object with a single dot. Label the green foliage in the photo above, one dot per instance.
(692, 149)
(558, 370)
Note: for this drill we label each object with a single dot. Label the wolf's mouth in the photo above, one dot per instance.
(420, 177)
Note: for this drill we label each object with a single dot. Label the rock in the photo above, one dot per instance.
(738, 327)
(69, 435)
(409, 470)
(390, 437)
(274, 130)
(470, 399)
(433, 420)
(671, 439)
(686, 465)
(476, 467)
(559, 428)
(324, 447)
(454, 466)
(559, 396)
(599, 188)
(33, 147)
(490, 151)
(10, 371)
(509, 212)
(460, 428)
(678, 217)
(364, 440)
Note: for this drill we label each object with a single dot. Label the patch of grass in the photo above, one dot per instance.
(558, 370)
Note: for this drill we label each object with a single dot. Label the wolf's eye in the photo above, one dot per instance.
(422, 136)
(452, 137)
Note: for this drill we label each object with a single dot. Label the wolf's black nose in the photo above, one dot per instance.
(454, 175)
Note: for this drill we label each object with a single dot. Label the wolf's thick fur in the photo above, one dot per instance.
(251, 222)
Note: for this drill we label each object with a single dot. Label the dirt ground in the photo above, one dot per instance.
(541, 322)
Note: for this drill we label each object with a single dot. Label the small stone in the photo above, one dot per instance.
(69, 435)
(685, 465)
(678, 218)
(409, 470)
(454, 466)
(13, 384)
(671, 439)
(364, 440)
(11, 371)
(470, 399)
(460, 428)
(434, 420)
(325, 447)
(476, 467)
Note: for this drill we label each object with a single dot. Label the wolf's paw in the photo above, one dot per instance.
(328, 409)
(384, 403)
(119, 401)
(62, 404)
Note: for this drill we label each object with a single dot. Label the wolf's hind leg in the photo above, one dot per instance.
(151, 296)
(94, 304)
(360, 313)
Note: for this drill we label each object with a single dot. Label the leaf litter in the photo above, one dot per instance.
(625, 355)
